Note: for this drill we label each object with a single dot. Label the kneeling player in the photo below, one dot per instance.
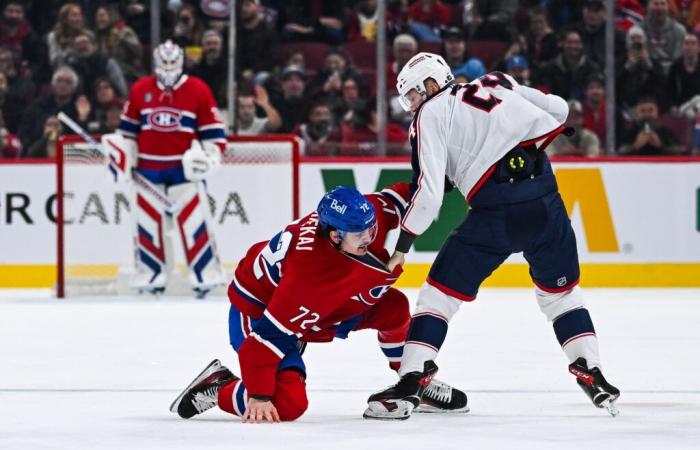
(318, 279)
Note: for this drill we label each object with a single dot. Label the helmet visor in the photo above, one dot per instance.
(411, 100)
(361, 238)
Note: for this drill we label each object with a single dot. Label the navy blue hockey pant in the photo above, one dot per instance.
(539, 228)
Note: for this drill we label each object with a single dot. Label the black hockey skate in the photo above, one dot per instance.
(398, 401)
(200, 293)
(592, 382)
(440, 397)
(201, 393)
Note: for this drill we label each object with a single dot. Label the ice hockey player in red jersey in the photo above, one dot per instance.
(320, 278)
(171, 134)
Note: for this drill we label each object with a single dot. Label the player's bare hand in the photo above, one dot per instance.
(259, 411)
(397, 259)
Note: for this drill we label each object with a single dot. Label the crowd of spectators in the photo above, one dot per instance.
(308, 67)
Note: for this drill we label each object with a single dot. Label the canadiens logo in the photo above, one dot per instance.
(164, 119)
(379, 291)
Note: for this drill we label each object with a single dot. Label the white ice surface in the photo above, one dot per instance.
(101, 373)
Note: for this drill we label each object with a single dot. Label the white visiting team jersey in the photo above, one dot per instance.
(462, 131)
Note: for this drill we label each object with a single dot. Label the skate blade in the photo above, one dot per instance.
(211, 368)
(399, 410)
(609, 405)
(427, 409)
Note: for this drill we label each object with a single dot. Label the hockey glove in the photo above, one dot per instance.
(200, 160)
(121, 156)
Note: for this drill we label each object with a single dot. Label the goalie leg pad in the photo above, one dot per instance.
(434, 310)
(151, 270)
(192, 221)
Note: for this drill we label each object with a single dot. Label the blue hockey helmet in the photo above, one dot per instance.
(346, 209)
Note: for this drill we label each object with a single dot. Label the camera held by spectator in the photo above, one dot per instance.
(647, 137)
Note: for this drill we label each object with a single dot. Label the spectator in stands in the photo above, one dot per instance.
(646, 136)
(469, 71)
(594, 108)
(290, 104)
(319, 132)
(427, 17)
(255, 41)
(188, 33)
(540, 41)
(248, 122)
(403, 49)
(352, 98)
(90, 65)
(492, 19)
(45, 145)
(188, 29)
(640, 74)
(361, 22)
(296, 58)
(328, 82)
(20, 91)
(684, 76)
(138, 15)
(665, 35)
(518, 68)
(454, 48)
(17, 36)
(102, 100)
(566, 74)
(10, 146)
(213, 67)
(64, 84)
(361, 134)
(109, 117)
(687, 12)
(312, 20)
(583, 142)
(60, 40)
(115, 39)
(592, 30)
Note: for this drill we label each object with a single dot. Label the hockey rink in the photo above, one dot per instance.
(101, 374)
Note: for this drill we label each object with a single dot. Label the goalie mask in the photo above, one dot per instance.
(413, 75)
(168, 59)
(348, 211)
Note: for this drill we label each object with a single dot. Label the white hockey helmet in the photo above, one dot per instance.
(418, 69)
(168, 59)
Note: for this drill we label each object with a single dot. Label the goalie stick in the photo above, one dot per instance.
(139, 179)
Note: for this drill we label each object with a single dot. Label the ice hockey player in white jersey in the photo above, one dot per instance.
(487, 139)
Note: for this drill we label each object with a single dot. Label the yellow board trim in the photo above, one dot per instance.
(508, 275)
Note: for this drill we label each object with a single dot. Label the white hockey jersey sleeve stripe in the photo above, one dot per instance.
(432, 160)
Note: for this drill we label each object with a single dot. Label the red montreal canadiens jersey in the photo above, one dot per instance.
(298, 284)
(164, 122)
